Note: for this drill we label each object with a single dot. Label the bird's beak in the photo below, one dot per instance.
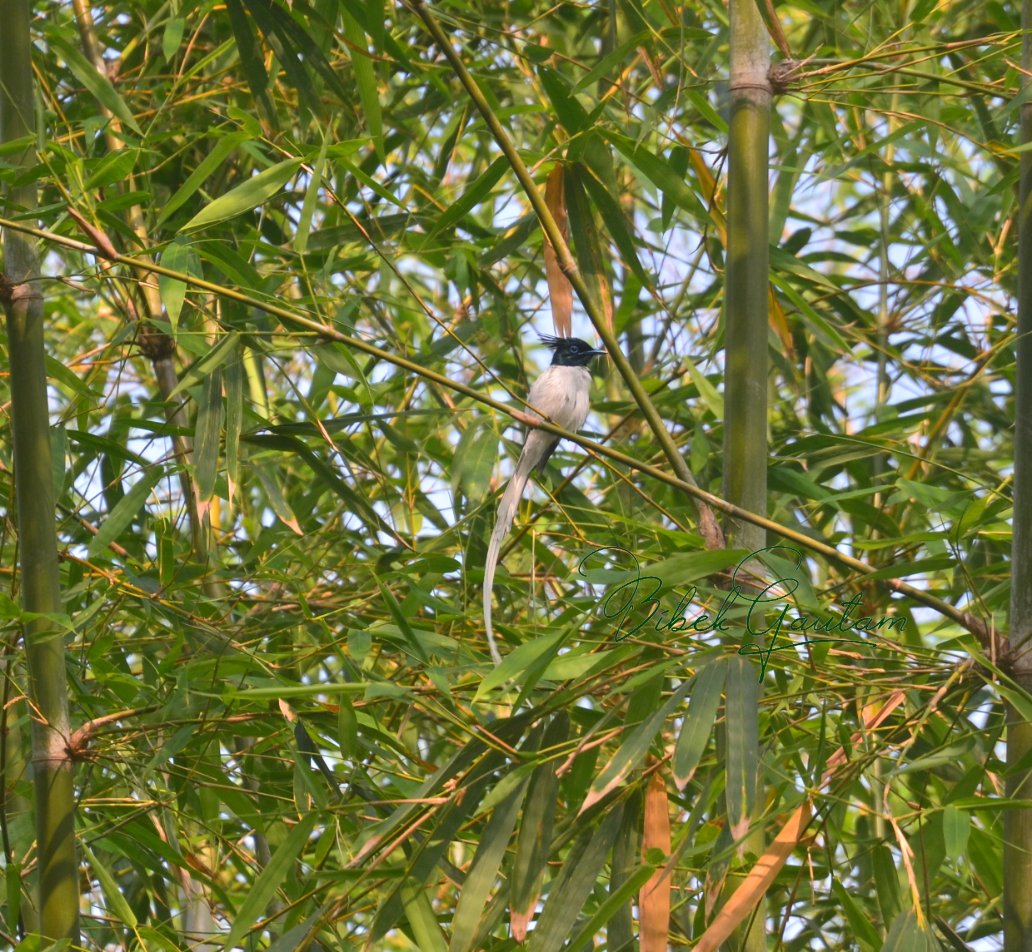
(599, 353)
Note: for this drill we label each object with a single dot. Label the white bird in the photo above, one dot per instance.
(561, 394)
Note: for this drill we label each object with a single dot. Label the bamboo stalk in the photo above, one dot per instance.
(58, 875)
(745, 383)
(1017, 836)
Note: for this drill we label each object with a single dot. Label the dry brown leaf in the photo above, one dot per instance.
(654, 899)
(560, 291)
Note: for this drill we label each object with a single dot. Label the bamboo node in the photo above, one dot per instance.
(783, 75)
(12, 292)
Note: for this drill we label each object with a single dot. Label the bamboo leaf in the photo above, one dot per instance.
(471, 197)
(570, 112)
(226, 142)
(248, 50)
(201, 370)
(365, 78)
(249, 194)
(125, 512)
(616, 223)
(586, 241)
(97, 83)
(699, 720)
(573, 885)
(422, 919)
(743, 743)
(304, 222)
(535, 835)
(209, 429)
(277, 500)
(659, 173)
(269, 880)
(865, 933)
(627, 874)
(908, 935)
(233, 378)
(178, 256)
(484, 871)
(956, 830)
(171, 37)
(475, 457)
(116, 903)
(632, 750)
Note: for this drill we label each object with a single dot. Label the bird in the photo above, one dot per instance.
(560, 394)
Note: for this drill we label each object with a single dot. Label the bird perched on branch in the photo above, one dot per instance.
(560, 394)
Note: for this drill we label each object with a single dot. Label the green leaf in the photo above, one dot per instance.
(907, 935)
(956, 829)
(120, 910)
(126, 511)
(264, 887)
(483, 873)
(233, 378)
(534, 840)
(472, 197)
(570, 112)
(616, 223)
(886, 881)
(659, 173)
(209, 428)
(699, 720)
(277, 500)
(625, 897)
(226, 143)
(573, 885)
(304, 222)
(422, 919)
(586, 242)
(474, 459)
(13, 873)
(857, 916)
(363, 68)
(743, 743)
(96, 83)
(216, 356)
(633, 750)
(171, 37)
(248, 49)
(114, 167)
(58, 457)
(179, 256)
(249, 194)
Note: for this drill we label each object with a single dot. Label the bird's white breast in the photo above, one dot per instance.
(561, 393)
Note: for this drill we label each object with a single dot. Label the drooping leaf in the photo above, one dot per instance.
(129, 506)
(654, 899)
(97, 83)
(560, 291)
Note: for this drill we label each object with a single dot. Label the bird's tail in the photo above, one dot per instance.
(507, 507)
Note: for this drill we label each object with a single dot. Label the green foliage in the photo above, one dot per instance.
(300, 718)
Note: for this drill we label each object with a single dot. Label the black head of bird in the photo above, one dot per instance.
(570, 351)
